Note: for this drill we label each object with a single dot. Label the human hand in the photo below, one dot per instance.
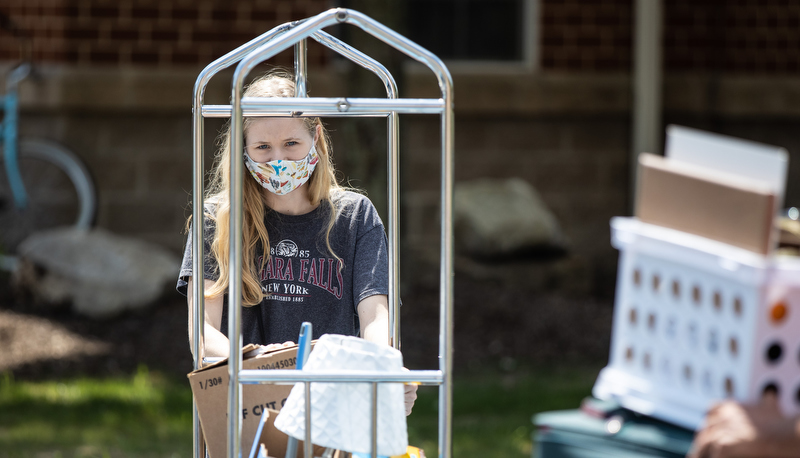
(277, 346)
(409, 395)
(736, 430)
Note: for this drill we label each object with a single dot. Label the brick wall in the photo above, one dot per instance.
(585, 35)
(162, 33)
(745, 36)
(753, 37)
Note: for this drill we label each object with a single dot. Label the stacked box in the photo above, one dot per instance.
(696, 321)
(704, 310)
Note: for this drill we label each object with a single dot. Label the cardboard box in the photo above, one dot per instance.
(717, 205)
(210, 389)
(275, 441)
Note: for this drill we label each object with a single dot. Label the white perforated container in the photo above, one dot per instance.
(697, 321)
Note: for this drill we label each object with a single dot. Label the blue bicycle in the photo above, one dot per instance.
(48, 186)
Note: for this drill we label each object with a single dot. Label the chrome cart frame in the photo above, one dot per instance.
(248, 56)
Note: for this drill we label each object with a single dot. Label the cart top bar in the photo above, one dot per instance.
(326, 106)
(359, 58)
(224, 111)
(282, 40)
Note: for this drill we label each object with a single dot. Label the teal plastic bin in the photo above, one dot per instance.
(605, 430)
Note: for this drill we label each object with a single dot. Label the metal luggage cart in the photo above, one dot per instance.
(248, 56)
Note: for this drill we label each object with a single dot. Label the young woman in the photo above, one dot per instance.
(313, 251)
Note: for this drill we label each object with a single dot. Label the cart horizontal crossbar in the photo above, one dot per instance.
(284, 376)
(326, 106)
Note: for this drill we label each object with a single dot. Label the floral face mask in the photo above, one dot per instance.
(282, 177)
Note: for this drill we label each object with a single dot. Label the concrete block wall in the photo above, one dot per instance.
(141, 166)
(579, 166)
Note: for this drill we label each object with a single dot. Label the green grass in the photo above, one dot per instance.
(142, 415)
(149, 415)
(492, 411)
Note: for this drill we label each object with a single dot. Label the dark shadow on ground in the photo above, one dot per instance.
(506, 314)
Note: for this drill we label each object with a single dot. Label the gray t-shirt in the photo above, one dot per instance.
(302, 278)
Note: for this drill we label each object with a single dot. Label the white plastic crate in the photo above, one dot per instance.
(697, 321)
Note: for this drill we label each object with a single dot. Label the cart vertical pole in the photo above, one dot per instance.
(301, 90)
(300, 69)
(235, 271)
(197, 292)
(374, 421)
(446, 279)
(198, 287)
(308, 447)
(394, 238)
(393, 173)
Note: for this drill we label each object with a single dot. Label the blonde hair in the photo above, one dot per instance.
(321, 186)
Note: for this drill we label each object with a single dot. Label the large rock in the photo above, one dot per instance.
(99, 273)
(501, 218)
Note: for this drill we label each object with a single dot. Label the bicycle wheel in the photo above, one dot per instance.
(60, 191)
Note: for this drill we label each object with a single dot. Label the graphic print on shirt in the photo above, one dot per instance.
(290, 273)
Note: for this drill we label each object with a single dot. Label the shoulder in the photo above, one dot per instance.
(343, 198)
(212, 205)
(355, 207)
(211, 209)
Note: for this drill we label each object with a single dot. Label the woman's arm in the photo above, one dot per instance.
(216, 344)
(373, 314)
